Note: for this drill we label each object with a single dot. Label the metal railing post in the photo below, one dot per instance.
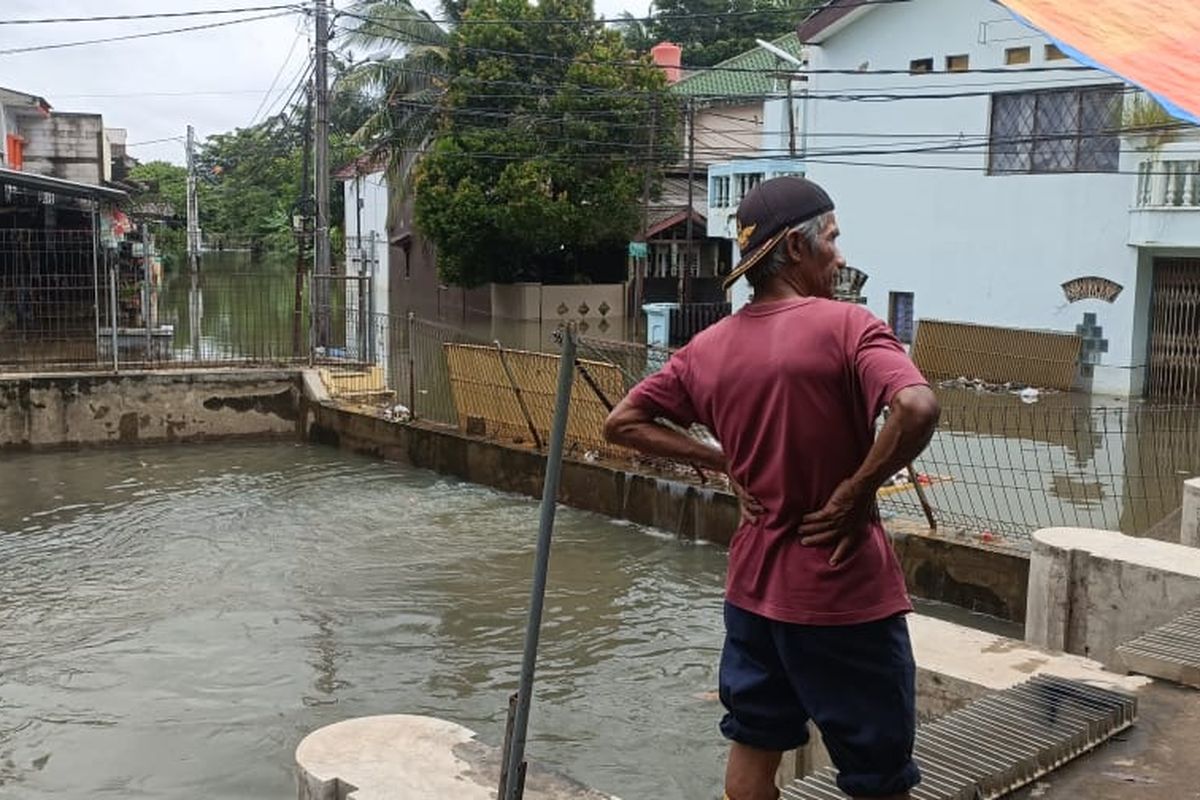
(113, 268)
(96, 272)
(412, 362)
(515, 758)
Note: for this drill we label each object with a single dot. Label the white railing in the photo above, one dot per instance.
(1165, 182)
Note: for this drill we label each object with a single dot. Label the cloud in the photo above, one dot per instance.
(154, 87)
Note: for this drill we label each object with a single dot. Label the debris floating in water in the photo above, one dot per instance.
(1028, 394)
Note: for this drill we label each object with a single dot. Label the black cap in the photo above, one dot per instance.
(768, 212)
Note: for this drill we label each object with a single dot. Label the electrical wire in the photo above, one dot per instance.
(145, 35)
(287, 60)
(719, 15)
(151, 15)
(408, 36)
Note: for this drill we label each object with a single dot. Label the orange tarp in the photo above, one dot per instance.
(1154, 44)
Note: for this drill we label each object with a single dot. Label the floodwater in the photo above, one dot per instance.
(176, 619)
(1001, 469)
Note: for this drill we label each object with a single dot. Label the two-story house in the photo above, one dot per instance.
(18, 112)
(982, 176)
(733, 110)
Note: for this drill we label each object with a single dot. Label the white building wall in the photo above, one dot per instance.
(366, 204)
(726, 132)
(368, 336)
(67, 146)
(970, 246)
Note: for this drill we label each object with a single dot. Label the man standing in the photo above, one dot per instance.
(815, 601)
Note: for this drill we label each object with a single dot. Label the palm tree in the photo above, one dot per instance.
(405, 73)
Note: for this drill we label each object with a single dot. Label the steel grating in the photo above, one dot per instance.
(1170, 652)
(1003, 741)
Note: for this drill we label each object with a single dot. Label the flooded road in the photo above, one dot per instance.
(999, 468)
(176, 619)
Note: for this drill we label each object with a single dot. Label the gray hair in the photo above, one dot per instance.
(777, 259)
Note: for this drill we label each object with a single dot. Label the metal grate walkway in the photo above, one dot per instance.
(1002, 742)
(1170, 652)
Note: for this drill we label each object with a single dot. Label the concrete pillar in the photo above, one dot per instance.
(1189, 530)
(1091, 591)
(413, 757)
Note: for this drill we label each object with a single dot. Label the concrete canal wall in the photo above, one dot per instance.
(86, 409)
(988, 580)
(1091, 591)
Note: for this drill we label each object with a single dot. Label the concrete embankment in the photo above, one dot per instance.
(987, 580)
(86, 409)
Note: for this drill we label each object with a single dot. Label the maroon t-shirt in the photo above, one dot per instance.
(792, 390)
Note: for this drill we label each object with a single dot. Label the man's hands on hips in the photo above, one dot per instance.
(843, 522)
(751, 508)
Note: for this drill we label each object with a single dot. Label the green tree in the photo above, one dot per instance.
(402, 76)
(536, 170)
(711, 31)
(161, 194)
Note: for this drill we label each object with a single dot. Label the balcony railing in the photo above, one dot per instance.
(729, 181)
(1166, 182)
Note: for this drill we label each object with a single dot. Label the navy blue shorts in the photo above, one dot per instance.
(855, 682)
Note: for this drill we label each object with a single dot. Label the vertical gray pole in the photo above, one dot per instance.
(687, 262)
(322, 286)
(193, 205)
(516, 756)
(193, 248)
(146, 289)
(96, 270)
(113, 273)
(412, 364)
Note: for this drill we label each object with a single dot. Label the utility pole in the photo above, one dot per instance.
(323, 262)
(791, 116)
(303, 231)
(644, 269)
(195, 300)
(193, 208)
(691, 128)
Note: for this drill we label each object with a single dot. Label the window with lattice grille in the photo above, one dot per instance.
(1054, 131)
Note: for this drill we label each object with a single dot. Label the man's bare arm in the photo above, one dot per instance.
(909, 427)
(632, 426)
(910, 424)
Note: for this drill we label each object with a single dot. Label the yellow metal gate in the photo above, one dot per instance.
(1175, 330)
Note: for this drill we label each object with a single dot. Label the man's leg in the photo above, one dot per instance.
(764, 716)
(858, 684)
(750, 773)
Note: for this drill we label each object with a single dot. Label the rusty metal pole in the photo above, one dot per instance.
(515, 757)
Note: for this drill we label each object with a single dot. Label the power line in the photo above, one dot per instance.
(298, 83)
(155, 141)
(287, 59)
(189, 93)
(154, 15)
(146, 35)
(410, 36)
(765, 12)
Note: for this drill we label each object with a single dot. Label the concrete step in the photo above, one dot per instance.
(1170, 652)
(1002, 741)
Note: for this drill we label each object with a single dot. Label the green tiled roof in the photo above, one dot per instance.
(744, 75)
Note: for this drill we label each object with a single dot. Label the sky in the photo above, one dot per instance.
(215, 80)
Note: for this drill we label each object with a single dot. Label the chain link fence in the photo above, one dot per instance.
(997, 469)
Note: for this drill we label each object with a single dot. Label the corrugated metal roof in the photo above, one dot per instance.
(46, 183)
(744, 76)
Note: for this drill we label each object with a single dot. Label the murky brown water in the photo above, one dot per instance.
(176, 619)
(1001, 468)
